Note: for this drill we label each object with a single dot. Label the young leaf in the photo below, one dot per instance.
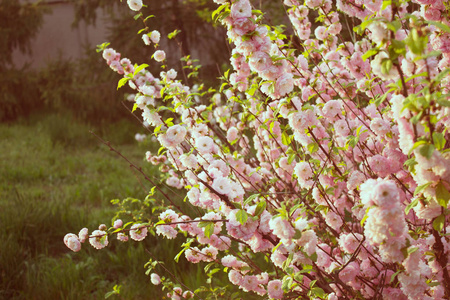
(173, 34)
(370, 53)
(138, 69)
(241, 216)
(209, 229)
(122, 82)
(427, 150)
(421, 188)
(394, 275)
(438, 140)
(260, 207)
(442, 195)
(438, 223)
(411, 205)
(251, 198)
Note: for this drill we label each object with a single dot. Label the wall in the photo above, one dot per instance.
(58, 37)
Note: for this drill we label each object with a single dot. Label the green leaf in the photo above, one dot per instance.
(443, 102)
(352, 141)
(218, 10)
(286, 285)
(427, 150)
(438, 223)
(398, 46)
(370, 53)
(122, 82)
(146, 18)
(420, 188)
(177, 257)
(394, 26)
(252, 90)
(313, 147)
(366, 215)
(276, 247)
(441, 75)
(386, 66)
(411, 250)
(416, 43)
(241, 216)
(226, 74)
(285, 139)
(251, 198)
(386, 3)
(317, 292)
(416, 144)
(440, 25)
(394, 275)
(138, 69)
(272, 124)
(288, 261)
(433, 283)
(442, 195)
(109, 294)
(423, 74)
(135, 106)
(411, 205)
(102, 47)
(380, 99)
(209, 229)
(416, 118)
(173, 34)
(291, 158)
(260, 207)
(438, 140)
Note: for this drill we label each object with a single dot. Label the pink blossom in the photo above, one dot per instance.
(260, 61)
(166, 231)
(135, 5)
(321, 32)
(281, 228)
(332, 108)
(83, 235)
(155, 279)
(155, 36)
(118, 223)
(349, 273)
(284, 84)
(274, 289)
(72, 242)
(350, 242)
(98, 239)
(122, 237)
(235, 277)
(146, 39)
(204, 144)
(138, 232)
(173, 136)
(241, 9)
(159, 55)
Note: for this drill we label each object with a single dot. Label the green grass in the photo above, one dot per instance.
(56, 178)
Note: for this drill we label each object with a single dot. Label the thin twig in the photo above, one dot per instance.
(139, 169)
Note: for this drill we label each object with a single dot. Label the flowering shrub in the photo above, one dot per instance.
(320, 169)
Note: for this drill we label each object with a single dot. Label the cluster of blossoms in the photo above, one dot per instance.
(98, 239)
(326, 153)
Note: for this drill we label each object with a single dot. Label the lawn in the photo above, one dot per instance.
(56, 178)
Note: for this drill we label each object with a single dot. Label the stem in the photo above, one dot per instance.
(173, 276)
(139, 169)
